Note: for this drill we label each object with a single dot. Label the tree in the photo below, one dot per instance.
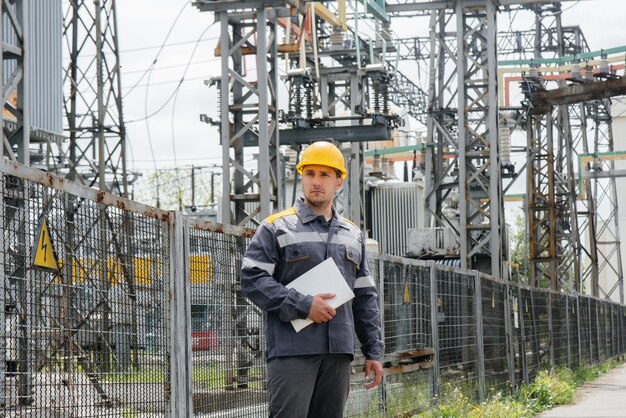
(519, 249)
(171, 189)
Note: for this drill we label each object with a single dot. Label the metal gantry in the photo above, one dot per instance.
(96, 154)
(345, 91)
(604, 233)
(480, 185)
(547, 188)
(319, 97)
(248, 110)
(464, 173)
(462, 142)
(570, 235)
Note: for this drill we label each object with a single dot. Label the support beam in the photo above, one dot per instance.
(353, 133)
(249, 118)
(405, 6)
(576, 93)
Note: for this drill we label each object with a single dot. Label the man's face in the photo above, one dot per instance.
(319, 184)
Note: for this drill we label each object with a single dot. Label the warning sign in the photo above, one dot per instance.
(406, 298)
(43, 254)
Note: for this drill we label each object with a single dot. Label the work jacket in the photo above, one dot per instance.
(290, 243)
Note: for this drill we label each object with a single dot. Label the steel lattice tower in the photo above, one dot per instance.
(463, 121)
(248, 111)
(96, 153)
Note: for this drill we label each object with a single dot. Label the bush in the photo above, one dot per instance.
(549, 389)
(458, 405)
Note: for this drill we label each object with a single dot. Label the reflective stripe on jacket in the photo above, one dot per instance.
(289, 244)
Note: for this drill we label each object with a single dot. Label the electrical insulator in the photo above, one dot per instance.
(576, 70)
(505, 144)
(604, 64)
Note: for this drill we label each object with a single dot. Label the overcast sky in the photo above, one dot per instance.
(175, 133)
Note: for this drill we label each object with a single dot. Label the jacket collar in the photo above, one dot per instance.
(305, 213)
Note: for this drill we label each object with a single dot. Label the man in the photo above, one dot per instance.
(309, 372)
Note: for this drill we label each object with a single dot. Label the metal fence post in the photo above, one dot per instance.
(550, 330)
(522, 351)
(434, 323)
(25, 302)
(597, 327)
(620, 329)
(180, 322)
(536, 344)
(4, 282)
(480, 346)
(590, 328)
(610, 306)
(567, 328)
(508, 327)
(580, 348)
(620, 324)
(381, 301)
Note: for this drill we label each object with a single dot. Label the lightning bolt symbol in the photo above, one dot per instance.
(44, 246)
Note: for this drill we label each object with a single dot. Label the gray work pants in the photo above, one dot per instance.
(313, 386)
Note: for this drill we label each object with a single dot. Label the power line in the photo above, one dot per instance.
(167, 67)
(180, 159)
(156, 58)
(161, 83)
(164, 45)
(147, 116)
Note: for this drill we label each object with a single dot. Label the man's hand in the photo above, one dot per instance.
(376, 367)
(320, 310)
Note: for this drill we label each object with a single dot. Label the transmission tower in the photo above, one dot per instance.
(463, 121)
(96, 154)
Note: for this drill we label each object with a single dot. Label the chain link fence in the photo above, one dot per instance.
(85, 301)
(112, 308)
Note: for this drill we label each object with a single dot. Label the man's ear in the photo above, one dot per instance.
(339, 182)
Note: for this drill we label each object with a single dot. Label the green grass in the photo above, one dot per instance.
(412, 395)
(129, 412)
(548, 389)
(208, 377)
(137, 376)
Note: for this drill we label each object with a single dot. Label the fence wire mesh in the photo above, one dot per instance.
(228, 369)
(586, 342)
(408, 393)
(600, 330)
(622, 329)
(530, 342)
(494, 335)
(560, 329)
(456, 318)
(85, 298)
(406, 306)
(518, 336)
(87, 310)
(542, 323)
(573, 340)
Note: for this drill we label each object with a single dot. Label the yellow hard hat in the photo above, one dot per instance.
(322, 153)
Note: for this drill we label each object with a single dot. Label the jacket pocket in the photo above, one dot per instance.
(296, 253)
(353, 254)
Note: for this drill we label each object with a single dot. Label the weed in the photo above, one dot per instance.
(550, 388)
